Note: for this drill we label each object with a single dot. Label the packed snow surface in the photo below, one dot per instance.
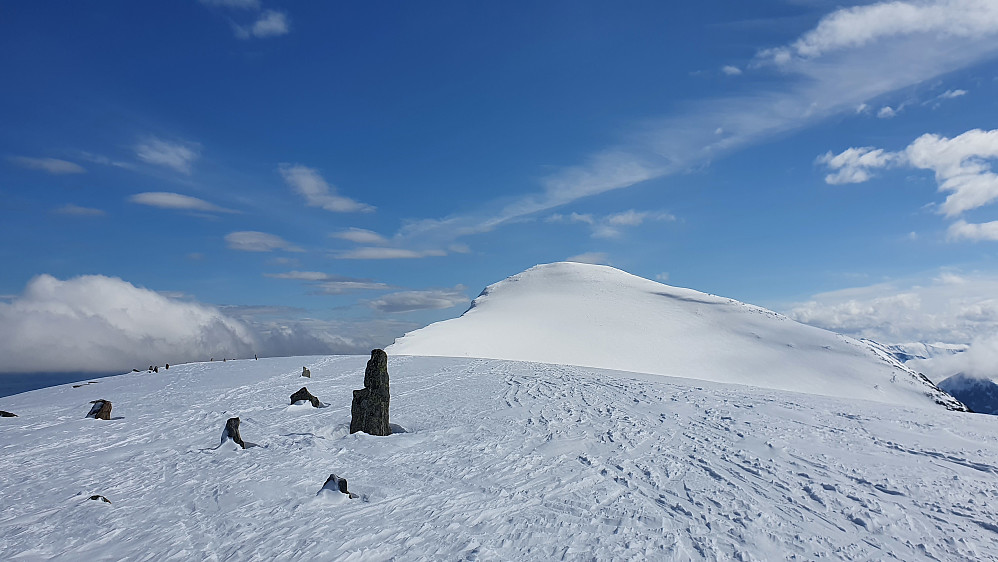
(502, 460)
(598, 316)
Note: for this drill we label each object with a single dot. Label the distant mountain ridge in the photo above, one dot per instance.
(599, 316)
(980, 395)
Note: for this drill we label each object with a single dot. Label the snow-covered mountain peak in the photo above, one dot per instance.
(599, 316)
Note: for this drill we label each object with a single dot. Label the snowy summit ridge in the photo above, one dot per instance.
(598, 316)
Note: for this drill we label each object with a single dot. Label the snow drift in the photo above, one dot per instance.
(598, 316)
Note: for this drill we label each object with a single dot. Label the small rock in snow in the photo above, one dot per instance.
(304, 394)
(101, 498)
(305, 372)
(101, 410)
(336, 484)
(6, 414)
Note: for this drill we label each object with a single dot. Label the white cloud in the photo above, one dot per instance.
(78, 211)
(859, 26)
(595, 258)
(886, 112)
(946, 307)
(50, 165)
(382, 253)
(960, 165)
(176, 155)
(237, 4)
(327, 284)
(176, 201)
(271, 23)
(608, 226)
(317, 193)
(951, 94)
(835, 77)
(98, 323)
(94, 323)
(731, 70)
(853, 165)
(408, 301)
(253, 241)
(968, 231)
(360, 236)
(663, 277)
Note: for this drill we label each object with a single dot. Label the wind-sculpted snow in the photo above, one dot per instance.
(502, 460)
(598, 316)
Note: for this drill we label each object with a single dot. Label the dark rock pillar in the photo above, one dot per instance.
(369, 412)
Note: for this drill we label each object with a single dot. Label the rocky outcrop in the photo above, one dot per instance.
(231, 431)
(369, 411)
(305, 372)
(336, 484)
(101, 410)
(304, 394)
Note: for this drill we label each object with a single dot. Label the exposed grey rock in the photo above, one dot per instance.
(336, 484)
(305, 372)
(304, 394)
(231, 431)
(369, 411)
(101, 498)
(101, 410)
(6, 414)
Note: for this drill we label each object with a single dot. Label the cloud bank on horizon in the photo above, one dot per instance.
(366, 201)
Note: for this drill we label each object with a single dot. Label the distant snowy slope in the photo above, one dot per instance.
(598, 316)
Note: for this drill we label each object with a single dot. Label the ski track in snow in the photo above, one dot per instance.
(503, 460)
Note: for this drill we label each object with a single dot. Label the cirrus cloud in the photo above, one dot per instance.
(317, 193)
(176, 201)
(254, 241)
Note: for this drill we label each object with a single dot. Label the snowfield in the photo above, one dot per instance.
(597, 316)
(503, 460)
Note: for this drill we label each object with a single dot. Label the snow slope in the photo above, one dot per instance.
(598, 316)
(503, 460)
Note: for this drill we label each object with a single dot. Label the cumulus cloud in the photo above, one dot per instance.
(887, 112)
(176, 201)
(853, 165)
(382, 253)
(360, 236)
(731, 70)
(98, 323)
(327, 284)
(432, 299)
(253, 241)
(271, 23)
(51, 165)
(858, 26)
(948, 307)
(961, 166)
(179, 155)
(317, 193)
(967, 231)
(78, 211)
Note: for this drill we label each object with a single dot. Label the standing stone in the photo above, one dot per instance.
(101, 410)
(369, 411)
(231, 431)
(336, 484)
(305, 372)
(304, 394)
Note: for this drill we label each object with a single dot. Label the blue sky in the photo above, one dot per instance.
(293, 177)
